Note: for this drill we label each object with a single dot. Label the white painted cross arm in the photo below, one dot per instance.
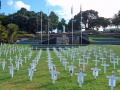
(118, 70)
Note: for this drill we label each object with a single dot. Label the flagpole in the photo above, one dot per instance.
(48, 26)
(41, 27)
(72, 22)
(81, 25)
(72, 29)
(81, 28)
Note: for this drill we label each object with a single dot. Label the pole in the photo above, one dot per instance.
(48, 30)
(41, 27)
(72, 22)
(81, 27)
(48, 26)
(72, 31)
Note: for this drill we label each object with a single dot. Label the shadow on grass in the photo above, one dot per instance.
(5, 79)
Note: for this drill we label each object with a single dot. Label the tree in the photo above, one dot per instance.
(61, 23)
(3, 33)
(53, 20)
(12, 30)
(88, 17)
(116, 19)
(104, 22)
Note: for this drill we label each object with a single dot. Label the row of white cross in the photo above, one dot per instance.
(34, 64)
(18, 63)
(115, 61)
(52, 67)
(15, 49)
(82, 55)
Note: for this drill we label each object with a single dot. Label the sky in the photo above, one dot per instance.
(105, 8)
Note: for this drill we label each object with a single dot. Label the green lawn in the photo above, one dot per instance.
(103, 39)
(42, 78)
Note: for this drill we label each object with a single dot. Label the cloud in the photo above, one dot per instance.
(105, 8)
(64, 7)
(10, 2)
(19, 4)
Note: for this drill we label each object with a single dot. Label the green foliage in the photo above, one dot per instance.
(116, 19)
(53, 20)
(3, 34)
(112, 30)
(61, 23)
(12, 32)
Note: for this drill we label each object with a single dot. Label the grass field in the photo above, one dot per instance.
(42, 77)
(103, 39)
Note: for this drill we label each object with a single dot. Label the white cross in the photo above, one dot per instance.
(65, 63)
(11, 70)
(96, 61)
(95, 71)
(104, 65)
(88, 57)
(31, 71)
(83, 63)
(80, 77)
(17, 65)
(3, 64)
(71, 69)
(10, 60)
(54, 75)
(117, 59)
(20, 61)
(25, 57)
(79, 61)
(112, 80)
(114, 63)
(103, 59)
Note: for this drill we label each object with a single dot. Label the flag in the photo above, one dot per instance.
(72, 9)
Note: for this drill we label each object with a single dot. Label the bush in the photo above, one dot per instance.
(112, 30)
